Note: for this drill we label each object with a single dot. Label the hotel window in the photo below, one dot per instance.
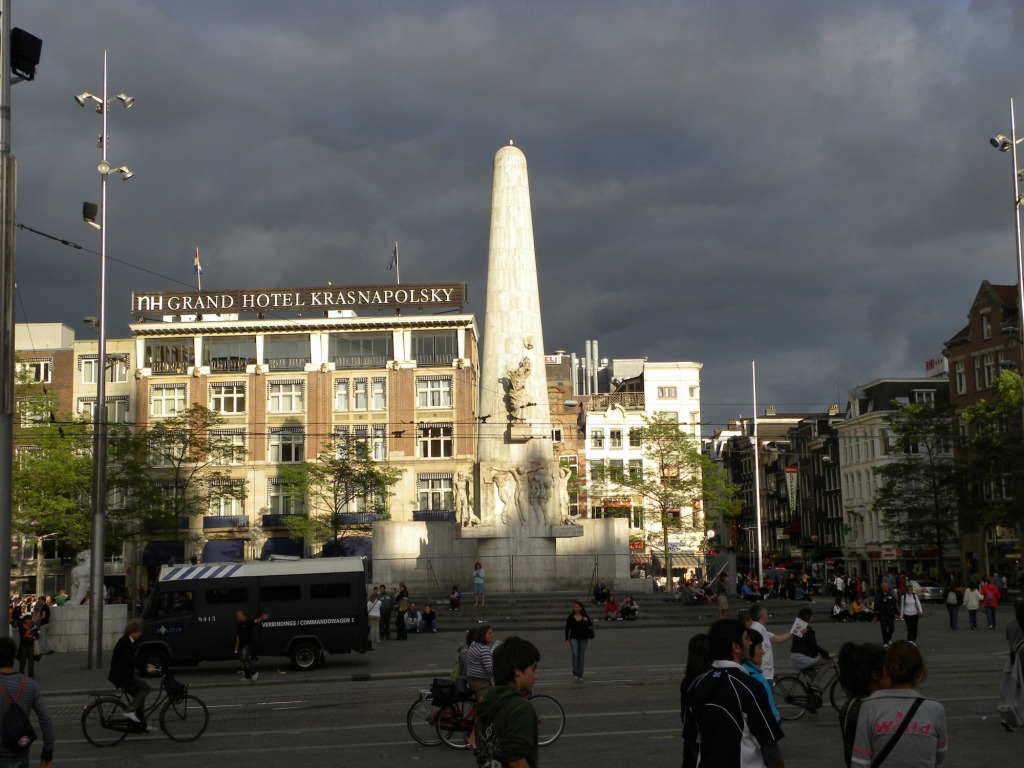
(435, 441)
(615, 438)
(359, 399)
(229, 354)
(284, 499)
(668, 393)
(286, 353)
(961, 377)
(360, 350)
(117, 408)
(435, 492)
(287, 446)
(556, 434)
(924, 396)
(32, 413)
(117, 369)
(341, 401)
(227, 499)
(40, 371)
(378, 395)
(986, 325)
(434, 392)
(990, 369)
(616, 471)
(167, 400)
(636, 439)
(227, 397)
(597, 471)
(379, 442)
(434, 349)
(285, 397)
(636, 470)
(597, 438)
(978, 385)
(170, 355)
(227, 448)
(350, 442)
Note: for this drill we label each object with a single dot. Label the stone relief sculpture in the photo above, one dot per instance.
(540, 494)
(506, 483)
(564, 474)
(463, 491)
(517, 389)
(80, 577)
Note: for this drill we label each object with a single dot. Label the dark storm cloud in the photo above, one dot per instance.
(804, 183)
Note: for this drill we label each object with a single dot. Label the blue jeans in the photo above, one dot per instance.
(990, 615)
(579, 650)
(248, 668)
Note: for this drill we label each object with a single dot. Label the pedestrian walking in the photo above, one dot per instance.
(373, 617)
(886, 610)
(728, 719)
(579, 629)
(23, 692)
(1011, 696)
(759, 619)
(401, 606)
(911, 611)
(861, 673)
(387, 603)
(972, 601)
(44, 625)
(244, 632)
(478, 585)
(29, 635)
(990, 600)
(953, 603)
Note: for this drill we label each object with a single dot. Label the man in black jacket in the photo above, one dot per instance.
(886, 610)
(124, 665)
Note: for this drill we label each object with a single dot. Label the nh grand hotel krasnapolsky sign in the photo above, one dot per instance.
(276, 300)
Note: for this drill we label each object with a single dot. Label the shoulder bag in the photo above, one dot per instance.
(880, 757)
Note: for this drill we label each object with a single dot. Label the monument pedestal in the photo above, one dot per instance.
(69, 627)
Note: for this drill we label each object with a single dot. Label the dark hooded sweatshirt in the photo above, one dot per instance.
(514, 720)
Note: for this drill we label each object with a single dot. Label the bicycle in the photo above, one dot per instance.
(455, 721)
(805, 691)
(183, 716)
(421, 720)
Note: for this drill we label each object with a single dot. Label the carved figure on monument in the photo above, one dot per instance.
(517, 389)
(464, 500)
(80, 577)
(506, 483)
(564, 503)
(540, 493)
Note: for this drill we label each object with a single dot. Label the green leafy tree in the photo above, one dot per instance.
(343, 479)
(992, 456)
(172, 470)
(917, 496)
(674, 476)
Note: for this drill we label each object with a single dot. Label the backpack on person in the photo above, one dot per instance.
(16, 733)
(459, 670)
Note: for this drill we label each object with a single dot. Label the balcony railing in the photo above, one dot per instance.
(277, 521)
(358, 518)
(633, 400)
(433, 516)
(225, 521)
(286, 363)
(170, 368)
(230, 364)
(443, 359)
(360, 361)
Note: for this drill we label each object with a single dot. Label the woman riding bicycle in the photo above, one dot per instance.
(805, 653)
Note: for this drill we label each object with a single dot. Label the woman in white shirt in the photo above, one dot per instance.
(910, 612)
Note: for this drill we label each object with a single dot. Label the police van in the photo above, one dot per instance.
(313, 607)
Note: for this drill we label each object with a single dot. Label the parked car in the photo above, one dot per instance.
(927, 591)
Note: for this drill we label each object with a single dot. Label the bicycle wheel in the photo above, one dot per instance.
(103, 722)
(550, 718)
(422, 721)
(791, 697)
(455, 723)
(836, 695)
(184, 718)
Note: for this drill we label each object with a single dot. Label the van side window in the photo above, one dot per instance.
(174, 603)
(332, 591)
(279, 593)
(227, 596)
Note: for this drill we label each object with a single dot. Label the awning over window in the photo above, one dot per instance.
(349, 546)
(159, 553)
(224, 551)
(283, 546)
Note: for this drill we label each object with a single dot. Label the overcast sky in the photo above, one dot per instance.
(808, 184)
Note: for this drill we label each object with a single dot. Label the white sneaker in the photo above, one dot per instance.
(255, 676)
(132, 716)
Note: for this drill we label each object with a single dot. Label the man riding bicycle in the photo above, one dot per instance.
(124, 665)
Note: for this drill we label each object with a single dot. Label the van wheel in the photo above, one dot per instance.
(305, 656)
(154, 656)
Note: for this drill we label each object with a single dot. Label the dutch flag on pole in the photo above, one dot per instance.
(196, 265)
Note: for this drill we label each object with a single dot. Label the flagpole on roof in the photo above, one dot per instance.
(199, 271)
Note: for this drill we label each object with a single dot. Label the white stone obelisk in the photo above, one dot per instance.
(522, 497)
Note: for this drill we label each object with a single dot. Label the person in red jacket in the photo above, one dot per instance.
(990, 599)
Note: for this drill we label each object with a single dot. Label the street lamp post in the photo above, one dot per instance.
(99, 443)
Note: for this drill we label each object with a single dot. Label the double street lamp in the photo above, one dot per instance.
(99, 444)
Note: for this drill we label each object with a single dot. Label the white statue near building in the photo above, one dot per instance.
(80, 577)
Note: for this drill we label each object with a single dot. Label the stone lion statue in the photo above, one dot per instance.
(80, 577)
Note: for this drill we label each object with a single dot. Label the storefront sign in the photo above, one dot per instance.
(300, 299)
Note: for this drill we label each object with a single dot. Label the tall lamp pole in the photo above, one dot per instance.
(1004, 144)
(99, 440)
